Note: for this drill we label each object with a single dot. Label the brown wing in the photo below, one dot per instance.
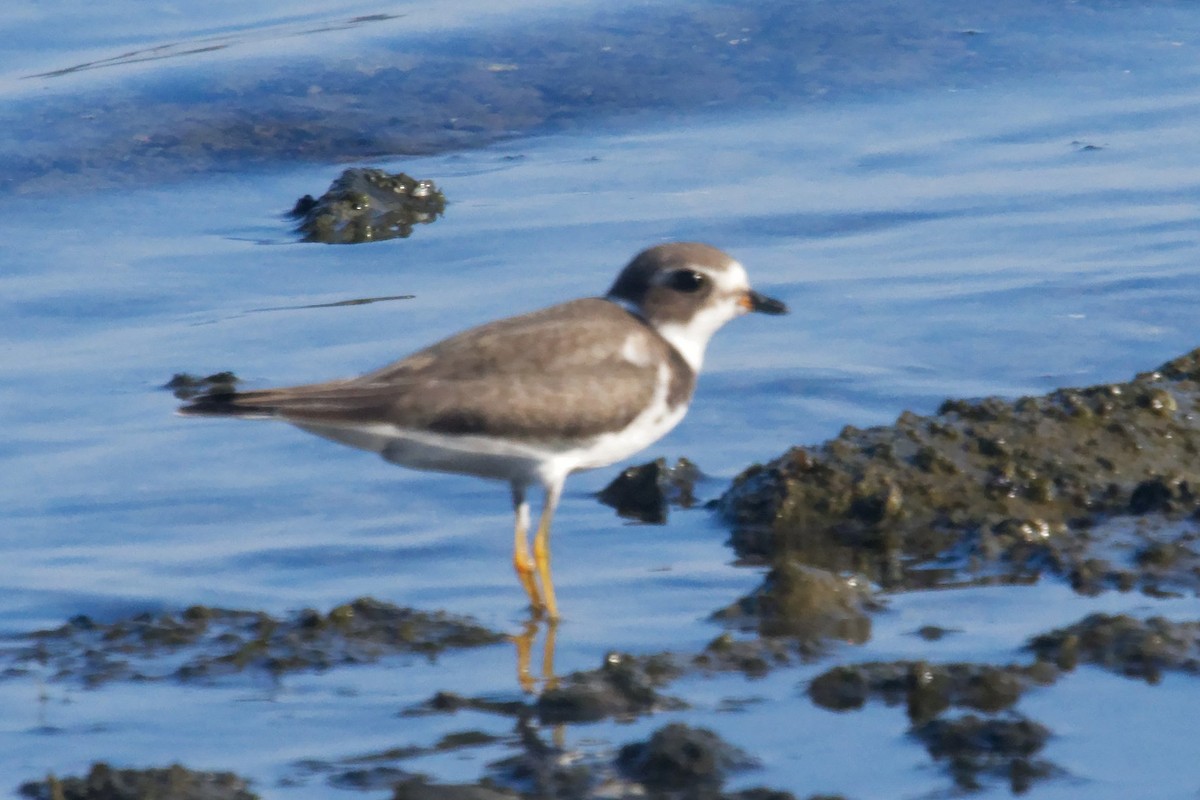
(554, 373)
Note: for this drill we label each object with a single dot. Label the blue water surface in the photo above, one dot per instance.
(970, 234)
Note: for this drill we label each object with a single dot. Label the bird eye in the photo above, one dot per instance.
(686, 280)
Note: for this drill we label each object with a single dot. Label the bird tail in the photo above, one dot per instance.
(230, 404)
(333, 401)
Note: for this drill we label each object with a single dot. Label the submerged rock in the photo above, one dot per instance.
(217, 641)
(990, 489)
(926, 689)
(368, 205)
(807, 605)
(452, 703)
(171, 783)
(971, 747)
(624, 687)
(753, 657)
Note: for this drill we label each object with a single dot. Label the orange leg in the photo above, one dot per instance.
(522, 561)
(541, 548)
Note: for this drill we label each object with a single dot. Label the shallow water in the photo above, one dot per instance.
(962, 236)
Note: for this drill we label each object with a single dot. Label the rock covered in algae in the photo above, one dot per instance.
(369, 205)
(981, 481)
(1133, 647)
(170, 783)
(201, 643)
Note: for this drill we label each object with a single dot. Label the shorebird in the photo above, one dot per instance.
(533, 398)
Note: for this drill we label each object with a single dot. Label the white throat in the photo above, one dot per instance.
(691, 337)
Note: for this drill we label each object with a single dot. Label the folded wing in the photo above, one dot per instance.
(572, 370)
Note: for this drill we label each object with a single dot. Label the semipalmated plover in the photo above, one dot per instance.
(532, 398)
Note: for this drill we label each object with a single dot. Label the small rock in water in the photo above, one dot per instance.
(368, 205)
(644, 492)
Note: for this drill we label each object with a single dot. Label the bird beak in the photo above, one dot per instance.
(753, 301)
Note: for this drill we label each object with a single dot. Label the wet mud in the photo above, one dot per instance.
(368, 205)
(202, 643)
(991, 490)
